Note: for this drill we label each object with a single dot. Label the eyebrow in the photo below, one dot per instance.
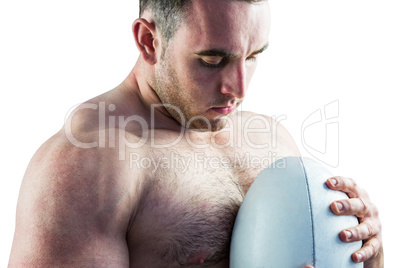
(260, 50)
(224, 54)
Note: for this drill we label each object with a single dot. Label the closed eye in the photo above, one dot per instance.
(213, 61)
(222, 62)
(253, 58)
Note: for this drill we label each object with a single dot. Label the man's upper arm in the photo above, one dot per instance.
(71, 211)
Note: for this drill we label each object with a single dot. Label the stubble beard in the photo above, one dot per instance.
(168, 88)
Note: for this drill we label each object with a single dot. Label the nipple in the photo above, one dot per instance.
(198, 258)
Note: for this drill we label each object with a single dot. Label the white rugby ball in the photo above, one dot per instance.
(285, 220)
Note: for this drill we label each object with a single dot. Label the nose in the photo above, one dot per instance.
(235, 81)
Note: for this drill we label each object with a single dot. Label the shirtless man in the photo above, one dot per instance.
(93, 195)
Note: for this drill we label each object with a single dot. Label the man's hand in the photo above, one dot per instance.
(369, 229)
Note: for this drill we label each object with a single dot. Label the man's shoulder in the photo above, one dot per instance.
(100, 121)
(58, 152)
(68, 194)
(254, 120)
(266, 130)
(85, 118)
(59, 160)
(78, 178)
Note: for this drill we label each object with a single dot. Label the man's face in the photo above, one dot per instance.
(207, 66)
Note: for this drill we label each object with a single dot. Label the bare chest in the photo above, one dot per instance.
(190, 204)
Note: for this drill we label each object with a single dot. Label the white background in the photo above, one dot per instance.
(55, 54)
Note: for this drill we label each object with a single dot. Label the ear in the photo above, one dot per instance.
(145, 35)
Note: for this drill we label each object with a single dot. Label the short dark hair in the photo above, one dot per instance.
(169, 14)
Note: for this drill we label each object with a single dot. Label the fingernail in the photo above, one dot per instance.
(334, 182)
(339, 206)
(359, 257)
(348, 234)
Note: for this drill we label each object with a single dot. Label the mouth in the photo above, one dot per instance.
(224, 110)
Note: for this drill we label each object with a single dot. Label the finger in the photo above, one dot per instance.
(363, 231)
(308, 266)
(369, 249)
(353, 206)
(346, 185)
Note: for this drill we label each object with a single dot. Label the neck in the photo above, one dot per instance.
(136, 84)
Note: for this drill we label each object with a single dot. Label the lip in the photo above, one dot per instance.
(224, 110)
